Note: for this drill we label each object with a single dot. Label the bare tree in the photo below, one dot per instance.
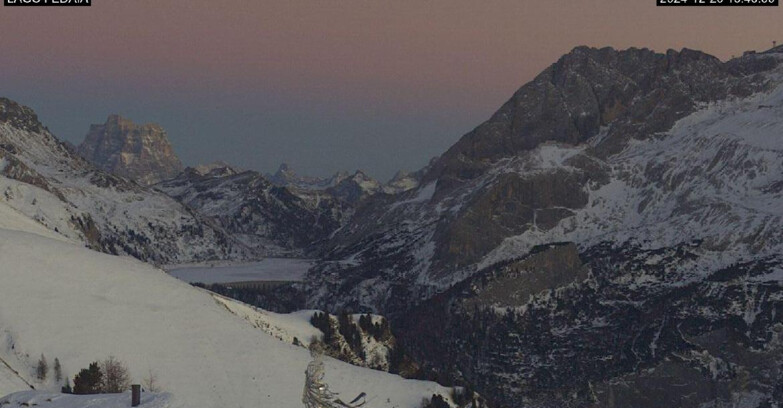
(151, 383)
(115, 376)
(316, 392)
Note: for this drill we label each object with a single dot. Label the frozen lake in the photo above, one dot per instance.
(270, 269)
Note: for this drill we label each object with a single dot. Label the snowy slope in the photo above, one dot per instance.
(284, 327)
(295, 328)
(55, 400)
(10, 381)
(269, 269)
(77, 305)
(13, 220)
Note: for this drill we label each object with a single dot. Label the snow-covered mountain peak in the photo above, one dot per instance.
(286, 176)
(216, 169)
(19, 116)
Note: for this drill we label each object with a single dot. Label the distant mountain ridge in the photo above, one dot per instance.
(274, 220)
(284, 214)
(349, 187)
(285, 176)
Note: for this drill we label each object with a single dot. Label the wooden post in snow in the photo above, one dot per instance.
(135, 395)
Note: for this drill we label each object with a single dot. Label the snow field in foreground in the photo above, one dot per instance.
(79, 306)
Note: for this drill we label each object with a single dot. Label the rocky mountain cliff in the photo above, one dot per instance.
(612, 232)
(138, 152)
(44, 179)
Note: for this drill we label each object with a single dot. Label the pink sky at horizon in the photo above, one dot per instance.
(405, 58)
(305, 46)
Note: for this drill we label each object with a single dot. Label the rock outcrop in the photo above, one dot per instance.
(138, 152)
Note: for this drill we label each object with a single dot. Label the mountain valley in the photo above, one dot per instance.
(612, 237)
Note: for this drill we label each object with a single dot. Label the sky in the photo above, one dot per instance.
(324, 85)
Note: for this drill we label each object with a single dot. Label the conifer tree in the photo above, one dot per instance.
(66, 389)
(89, 380)
(58, 371)
(42, 369)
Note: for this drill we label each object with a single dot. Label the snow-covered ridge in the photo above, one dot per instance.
(45, 180)
(292, 328)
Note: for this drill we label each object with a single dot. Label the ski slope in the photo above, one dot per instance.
(57, 400)
(64, 301)
(10, 380)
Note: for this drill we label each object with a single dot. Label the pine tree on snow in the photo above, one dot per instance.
(58, 371)
(66, 389)
(42, 369)
(89, 380)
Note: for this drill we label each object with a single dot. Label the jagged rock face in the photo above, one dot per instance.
(19, 116)
(402, 181)
(356, 188)
(664, 171)
(639, 92)
(274, 220)
(43, 178)
(138, 152)
(287, 177)
(510, 206)
(215, 169)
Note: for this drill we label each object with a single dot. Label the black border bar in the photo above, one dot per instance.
(47, 3)
(717, 3)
